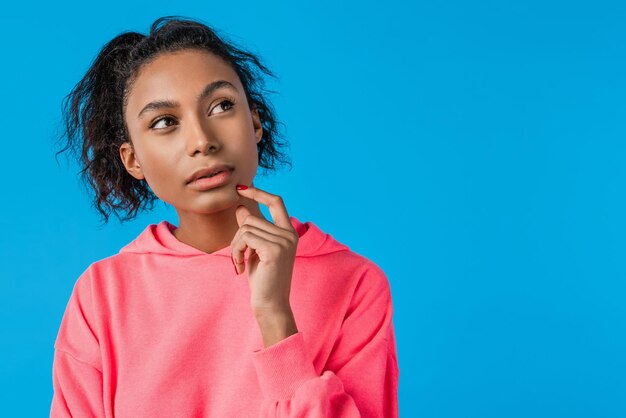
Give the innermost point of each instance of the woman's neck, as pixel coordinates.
(210, 233)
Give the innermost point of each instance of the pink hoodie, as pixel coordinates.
(162, 329)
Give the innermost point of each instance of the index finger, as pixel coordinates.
(274, 202)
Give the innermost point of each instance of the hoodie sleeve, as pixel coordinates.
(77, 364)
(360, 378)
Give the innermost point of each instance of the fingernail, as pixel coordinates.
(234, 265)
(241, 187)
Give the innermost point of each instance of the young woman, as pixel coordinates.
(228, 314)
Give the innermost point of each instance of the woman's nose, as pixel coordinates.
(200, 137)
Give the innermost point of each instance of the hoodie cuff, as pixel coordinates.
(283, 367)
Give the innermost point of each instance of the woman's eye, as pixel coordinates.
(160, 120)
(230, 103)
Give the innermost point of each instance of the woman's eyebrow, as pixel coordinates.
(208, 90)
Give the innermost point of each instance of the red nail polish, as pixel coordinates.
(241, 187)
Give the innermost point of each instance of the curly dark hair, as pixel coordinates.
(93, 116)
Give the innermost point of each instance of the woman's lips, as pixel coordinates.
(207, 183)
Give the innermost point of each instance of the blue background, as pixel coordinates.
(473, 150)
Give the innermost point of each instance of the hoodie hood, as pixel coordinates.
(159, 239)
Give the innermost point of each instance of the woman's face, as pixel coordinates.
(173, 140)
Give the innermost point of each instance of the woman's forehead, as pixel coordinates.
(174, 75)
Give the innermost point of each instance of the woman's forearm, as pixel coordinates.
(276, 325)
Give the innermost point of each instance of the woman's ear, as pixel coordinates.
(256, 122)
(130, 161)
